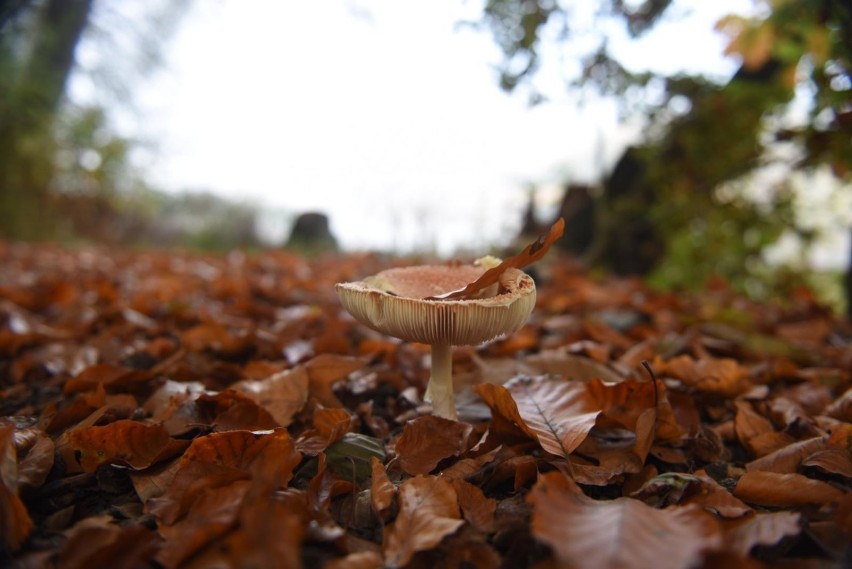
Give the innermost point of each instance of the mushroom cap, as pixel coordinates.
(391, 302)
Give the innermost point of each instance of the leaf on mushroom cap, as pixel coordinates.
(531, 253)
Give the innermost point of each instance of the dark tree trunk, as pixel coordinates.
(27, 111)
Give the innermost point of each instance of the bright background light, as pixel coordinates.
(385, 115)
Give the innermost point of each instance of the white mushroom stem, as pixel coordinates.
(439, 390)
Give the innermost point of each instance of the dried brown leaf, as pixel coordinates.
(784, 490)
(131, 443)
(100, 542)
(759, 529)
(787, 459)
(428, 512)
(382, 490)
(113, 378)
(618, 533)
(329, 427)
(428, 440)
(477, 509)
(531, 253)
(722, 376)
(283, 394)
(325, 370)
(560, 413)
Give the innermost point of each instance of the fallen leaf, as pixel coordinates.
(784, 490)
(573, 367)
(675, 488)
(722, 376)
(787, 459)
(531, 253)
(131, 443)
(330, 425)
(382, 490)
(759, 529)
(428, 440)
(428, 512)
(560, 413)
(357, 560)
(477, 509)
(621, 533)
(100, 542)
(112, 378)
(283, 394)
(325, 370)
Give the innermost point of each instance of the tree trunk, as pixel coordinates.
(27, 115)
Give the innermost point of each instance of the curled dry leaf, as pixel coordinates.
(428, 440)
(623, 532)
(756, 432)
(675, 488)
(428, 512)
(124, 442)
(330, 425)
(382, 490)
(531, 253)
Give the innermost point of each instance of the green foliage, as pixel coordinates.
(705, 139)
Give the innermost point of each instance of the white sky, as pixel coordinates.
(392, 123)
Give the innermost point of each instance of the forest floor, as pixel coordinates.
(166, 409)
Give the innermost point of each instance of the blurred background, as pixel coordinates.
(682, 140)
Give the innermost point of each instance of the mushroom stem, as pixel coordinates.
(439, 390)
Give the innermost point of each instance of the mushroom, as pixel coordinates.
(409, 303)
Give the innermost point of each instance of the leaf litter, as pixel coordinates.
(186, 410)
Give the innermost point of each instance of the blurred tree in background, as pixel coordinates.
(65, 171)
(694, 199)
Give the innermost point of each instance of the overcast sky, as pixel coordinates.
(384, 115)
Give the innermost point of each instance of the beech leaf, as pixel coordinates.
(124, 442)
(759, 529)
(558, 414)
(622, 533)
(531, 253)
(784, 490)
(427, 440)
(428, 512)
(283, 394)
